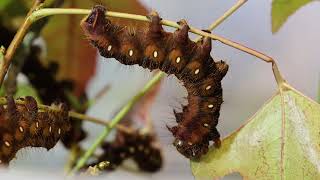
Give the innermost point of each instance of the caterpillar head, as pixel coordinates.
(93, 25)
(190, 150)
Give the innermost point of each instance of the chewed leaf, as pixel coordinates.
(282, 9)
(281, 141)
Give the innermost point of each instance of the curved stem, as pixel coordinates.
(36, 15)
(56, 11)
(4, 65)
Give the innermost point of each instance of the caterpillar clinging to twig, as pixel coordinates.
(172, 53)
(24, 125)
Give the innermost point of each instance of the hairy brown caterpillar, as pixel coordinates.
(24, 125)
(172, 53)
(139, 146)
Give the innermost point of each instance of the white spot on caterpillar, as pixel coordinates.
(21, 129)
(178, 60)
(59, 131)
(178, 143)
(50, 129)
(197, 71)
(7, 143)
(109, 48)
(130, 52)
(155, 54)
(210, 106)
(189, 143)
(205, 125)
(37, 124)
(208, 87)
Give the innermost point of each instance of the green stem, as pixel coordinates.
(56, 11)
(82, 161)
(4, 65)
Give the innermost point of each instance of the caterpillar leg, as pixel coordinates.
(178, 116)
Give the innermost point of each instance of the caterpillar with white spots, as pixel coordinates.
(142, 148)
(24, 125)
(172, 53)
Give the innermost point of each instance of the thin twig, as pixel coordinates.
(82, 161)
(99, 121)
(74, 115)
(4, 65)
(59, 11)
(228, 13)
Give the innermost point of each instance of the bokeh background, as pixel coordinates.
(248, 84)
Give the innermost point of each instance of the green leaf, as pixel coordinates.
(12, 8)
(27, 90)
(3, 4)
(2, 50)
(282, 9)
(281, 141)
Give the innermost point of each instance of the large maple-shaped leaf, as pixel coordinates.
(281, 141)
(67, 44)
(282, 9)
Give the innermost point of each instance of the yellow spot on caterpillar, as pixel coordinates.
(130, 52)
(109, 48)
(205, 125)
(208, 87)
(197, 71)
(59, 131)
(7, 143)
(210, 106)
(155, 54)
(21, 129)
(178, 60)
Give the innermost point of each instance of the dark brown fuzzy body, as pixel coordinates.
(25, 126)
(172, 53)
(140, 147)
